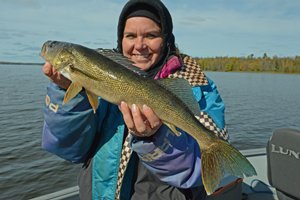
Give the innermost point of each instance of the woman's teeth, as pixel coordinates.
(142, 56)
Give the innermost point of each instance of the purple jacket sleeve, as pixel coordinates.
(174, 160)
(69, 129)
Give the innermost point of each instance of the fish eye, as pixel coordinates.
(52, 44)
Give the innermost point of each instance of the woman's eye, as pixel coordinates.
(151, 36)
(130, 36)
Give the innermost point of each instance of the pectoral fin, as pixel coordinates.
(72, 91)
(93, 99)
(172, 127)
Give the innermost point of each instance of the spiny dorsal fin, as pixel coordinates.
(183, 90)
(122, 60)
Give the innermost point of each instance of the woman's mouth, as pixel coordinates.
(142, 56)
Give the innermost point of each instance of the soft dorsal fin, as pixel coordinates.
(120, 59)
(183, 90)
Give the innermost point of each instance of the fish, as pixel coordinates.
(114, 78)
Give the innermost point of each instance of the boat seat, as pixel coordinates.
(283, 163)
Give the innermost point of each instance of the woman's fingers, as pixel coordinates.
(47, 69)
(152, 118)
(138, 119)
(127, 116)
(55, 76)
(137, 123)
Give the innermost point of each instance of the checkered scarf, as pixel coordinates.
(192, 72)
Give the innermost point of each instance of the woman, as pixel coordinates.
(150, 162)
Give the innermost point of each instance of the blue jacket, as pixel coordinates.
(69, 131)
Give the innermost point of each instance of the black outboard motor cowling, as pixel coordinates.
(283, 155)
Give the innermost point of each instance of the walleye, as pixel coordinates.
(113, 78)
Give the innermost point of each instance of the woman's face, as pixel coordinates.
(142, 41)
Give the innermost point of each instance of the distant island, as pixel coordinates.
(19, 63)
(250, 64)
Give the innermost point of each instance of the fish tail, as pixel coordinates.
(219, 159)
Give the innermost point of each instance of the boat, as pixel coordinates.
(277, 167)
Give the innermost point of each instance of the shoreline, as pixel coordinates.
(19, 63)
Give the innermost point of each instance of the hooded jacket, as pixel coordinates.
(161, 167)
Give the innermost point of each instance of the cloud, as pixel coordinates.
(22, 48)
(196, 19)
(188, 23)
(9, 54)
(54, 32)
(212, 18)
(5, 33)
(32, 48)
(252, 47)
(242, 18)
(17, 34)
(6, 30)
(101, 42)
(5, 36)
(27, 3)
(237, 36)
(265, 43)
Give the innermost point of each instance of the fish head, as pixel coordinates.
(59, 54)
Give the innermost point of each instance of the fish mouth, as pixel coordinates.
(43, 50)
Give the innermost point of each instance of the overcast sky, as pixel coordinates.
(201, 28)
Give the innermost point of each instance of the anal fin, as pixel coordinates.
(93, 99)
(172, 127)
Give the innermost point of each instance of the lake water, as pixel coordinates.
(256, 104)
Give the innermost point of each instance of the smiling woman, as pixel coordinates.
(127, 151)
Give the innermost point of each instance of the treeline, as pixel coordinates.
(260, 64)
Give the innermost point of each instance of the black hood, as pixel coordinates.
(166, 25)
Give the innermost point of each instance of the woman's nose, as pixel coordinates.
(140, 44)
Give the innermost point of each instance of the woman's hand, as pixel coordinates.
(138, 124)
(55, 76)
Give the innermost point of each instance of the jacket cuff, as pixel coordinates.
(145, 145)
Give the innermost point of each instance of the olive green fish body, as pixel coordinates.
(172, 100)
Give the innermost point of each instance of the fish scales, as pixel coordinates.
(102, 76)
(120, 84)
